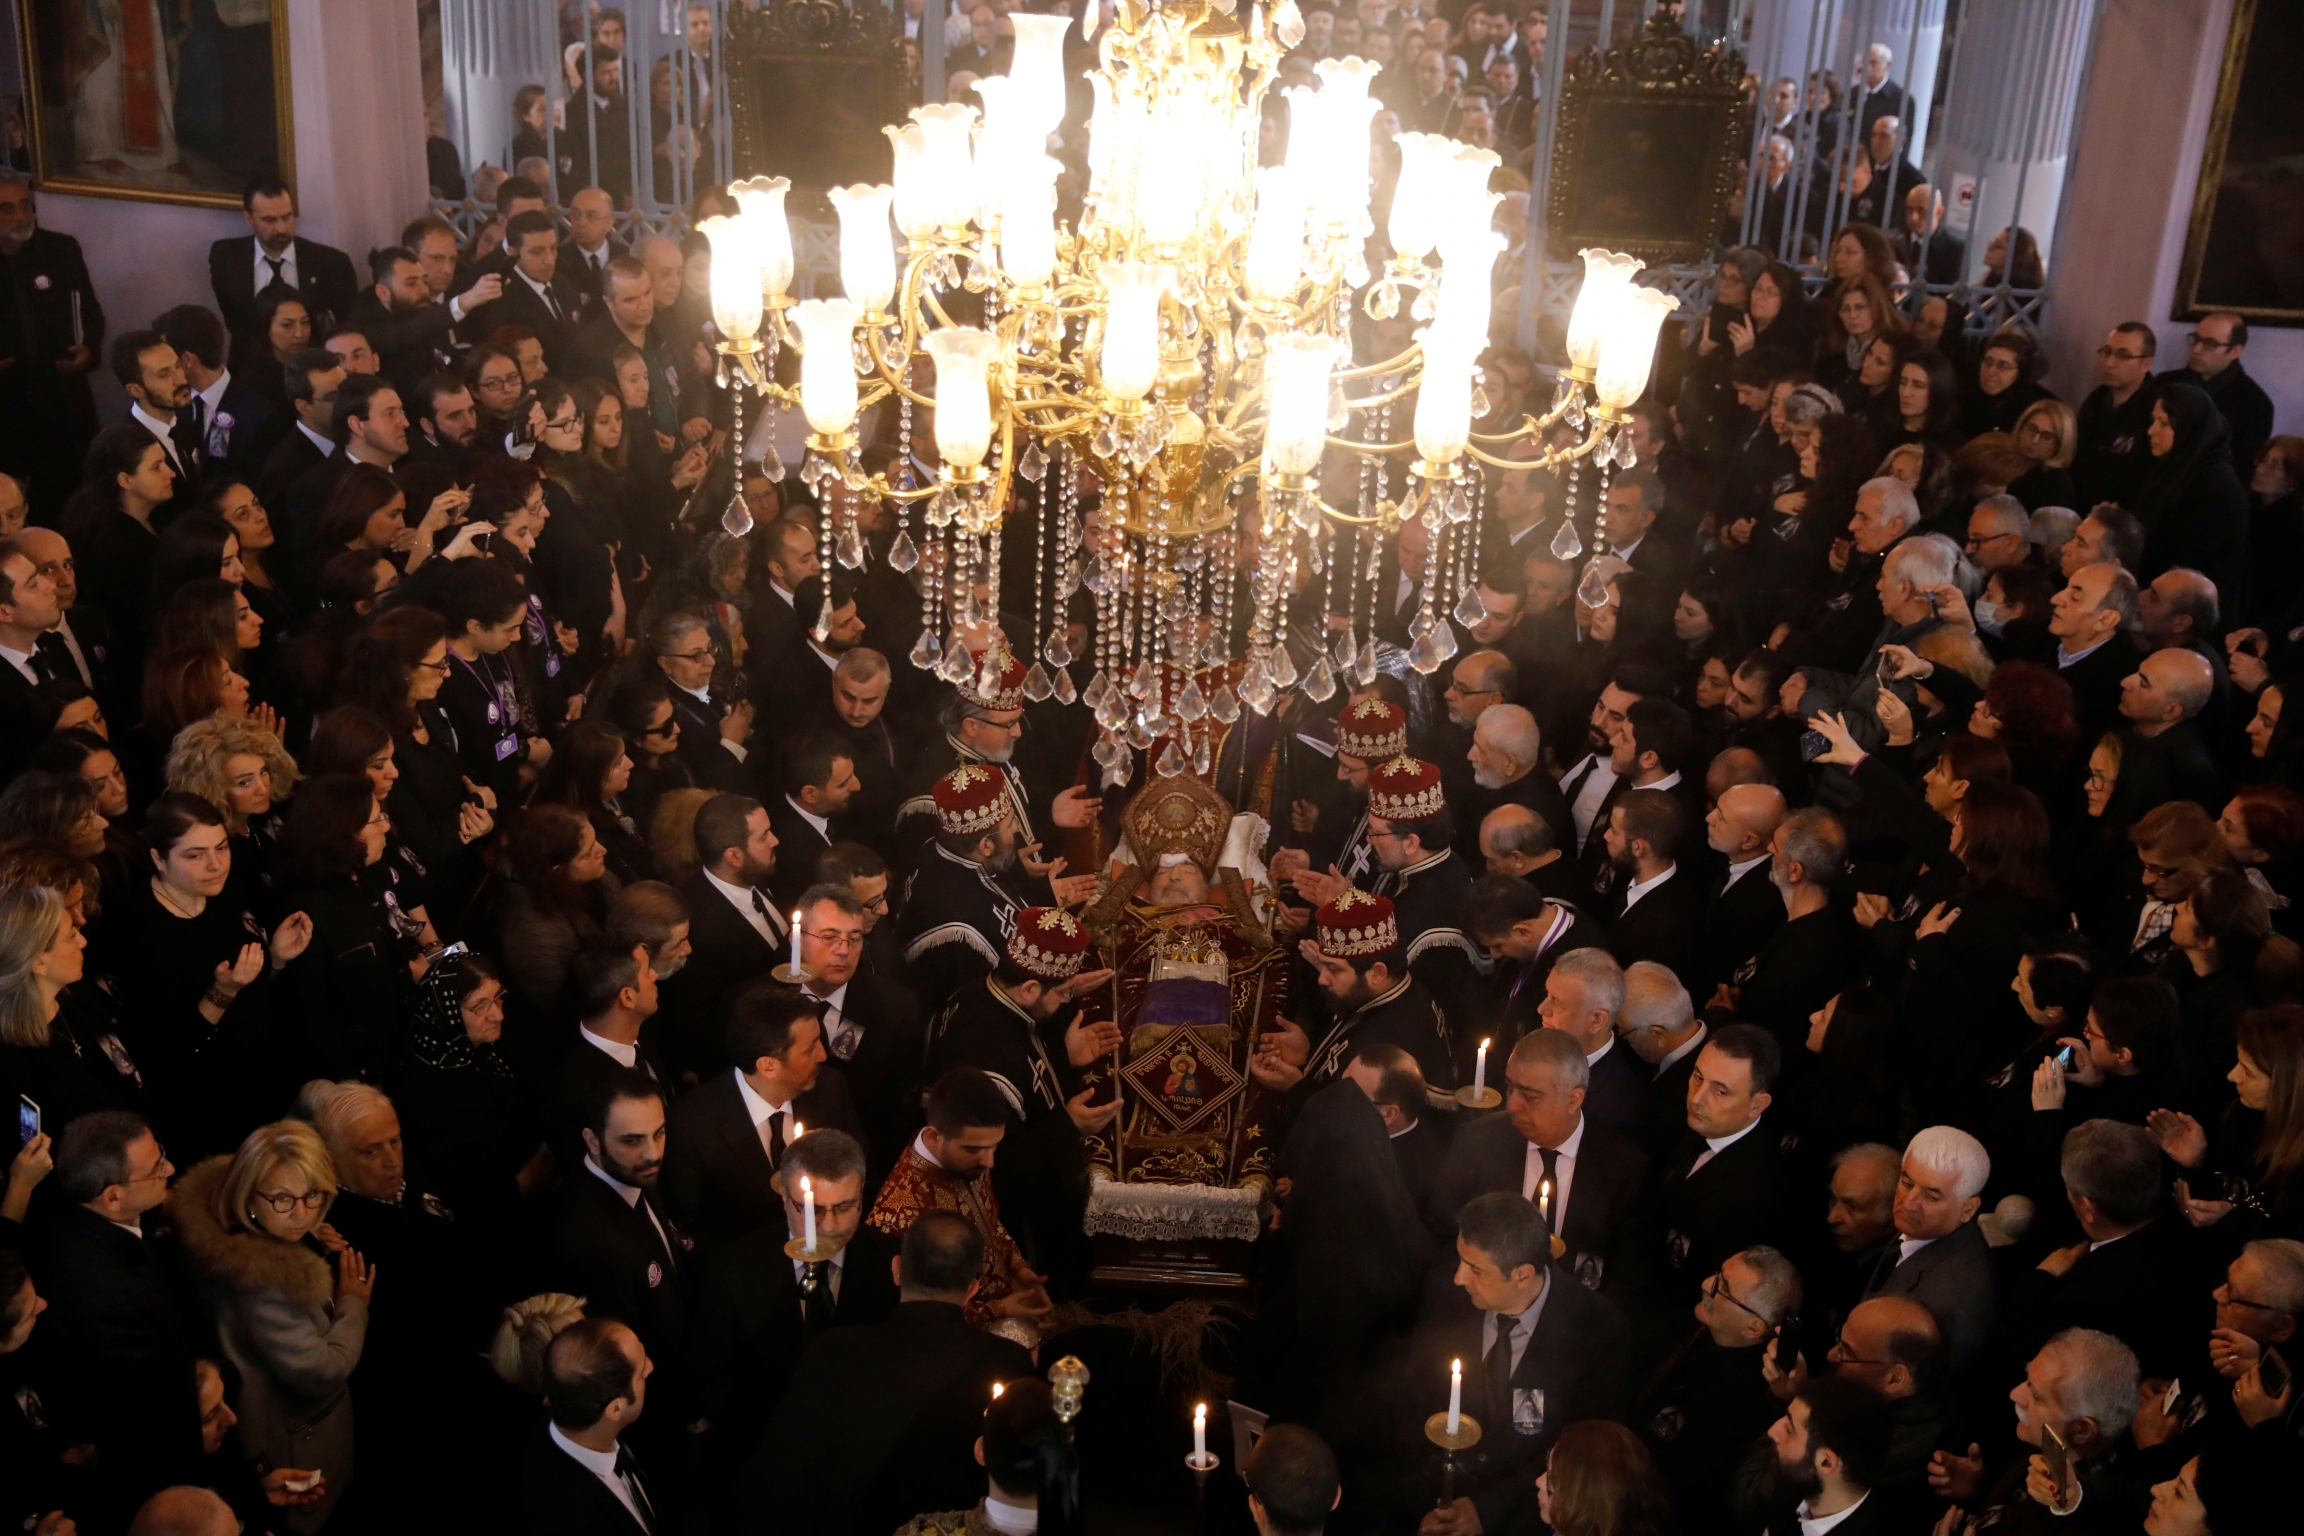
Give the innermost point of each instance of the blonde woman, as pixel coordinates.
(243, 770)
(254, 1230)
(55, 1051)
(2049, 435)
(516, 1354)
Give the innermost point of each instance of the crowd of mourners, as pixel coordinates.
(1871, 883)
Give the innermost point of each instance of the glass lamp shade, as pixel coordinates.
(1331, 125)
(736, 298)
(760, 203)
(1028, 224)
(1038, 69)
(1606, 277)
(1129, 361)
(827, 366)
(947, 163)
(867, 255)
(1444, 397)
(963, 393)
(1466, 295)
(1275, 260)
(1628, 351)
(1416, 198)
(1296, 414)
(910, 147)
(1169, 188)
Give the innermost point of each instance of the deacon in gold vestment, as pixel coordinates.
(1186, 930)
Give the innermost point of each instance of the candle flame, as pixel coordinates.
(807, 1191)
(798, 1131)
(1483, 1045)
(1455, 1367)
(998, 1387)
(1199, 1414)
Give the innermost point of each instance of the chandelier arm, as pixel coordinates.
(1551, 456)
(1373, 450)
(1388, 366)
(888, 374)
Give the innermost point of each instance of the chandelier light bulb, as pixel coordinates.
(867, 254)
(760, 203)
(963, 393)
(736, 297)
(1038, 69)
(1628, 351)
(1416, 197)
(1606, 277)
(1444, 397)
(1296, 416)
(1275, 261)
(1028, 224)
(909, 147)
(827, 368)
(1130, 359)
(947, 163)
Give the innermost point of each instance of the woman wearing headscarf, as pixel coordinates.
(2192, 503)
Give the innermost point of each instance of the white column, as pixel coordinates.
(2009, 116)
(358, 86)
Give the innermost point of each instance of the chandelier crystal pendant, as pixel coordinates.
(1183, 351)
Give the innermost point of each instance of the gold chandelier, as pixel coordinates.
(1188, 346)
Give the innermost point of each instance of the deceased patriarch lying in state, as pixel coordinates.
(1186, 930)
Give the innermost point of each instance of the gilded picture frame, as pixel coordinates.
(2244, 251)
(811, 83)
(1644, 157)
(165, 101)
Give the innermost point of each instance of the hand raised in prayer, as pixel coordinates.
(1083, 1043)
(1090, 1117)
(1076, 807)
(1321, 889)
(2179, 1136)
(1957, 1477)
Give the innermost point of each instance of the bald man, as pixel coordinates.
(1514, 840)
(185, 1511)
(1745, 909)
(2160, 702)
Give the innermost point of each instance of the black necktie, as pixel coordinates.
(767, 913)
(196, 434)
(1498, 1368)
(552, 303)
(279, 279)
(628, 1468)
(816, 1295)
(776, 1136)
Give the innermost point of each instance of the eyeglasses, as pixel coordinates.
(1718, 1286)
(838, 943)
(877, 904)
(2160, 871)
(1843, 1353)
(569, 425)
(702, 655)
(2126, 357)
(440, 666)
(161, 1167)
(2254, 1306)
(283, 1202)
(2210, 342)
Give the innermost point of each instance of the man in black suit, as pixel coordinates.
(113, 1305)
(160, 401)
(1525, 934)
(1582, 997)
(2213, 366)
(413, 335)
(757, 1309)
(601, 116)
(2161, 702)
(819, 781)
(52, 332)
(1507, 757)
(1583, 1179)
(369, 426)
(714, 729)
(879, 1423)
(1515, 841)
(736, 931)
(1659, 1023)
(2134, 1275)
(2091, 617)
(729, 1135)
(80, 644)
(271, 255)
(313, 377)
(1940, 1258)
(1655, 912)
(1635, 498)
(796, 683)
(446, 423)
(1538, 1355)
(530, 299)
(615, 995)
(1708, 1401)
(1817, 950)
(1745, 909)
(591, 247)
(28, 610)
(872, 1024)
(577, 1477)
(1832, 1445)
(857, 717)
(1722, 1190)
(615, 1246)
(234, 423)
(1647, 749)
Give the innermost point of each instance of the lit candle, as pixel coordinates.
(1200, 1432)
(795, 940)
(1480, 1071)
(998, 1387)
(1544, 1202)
(807, 1215)
(1455, 1396)
(798, 1130)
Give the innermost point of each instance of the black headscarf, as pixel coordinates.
(2203, 442)
(437, 1038)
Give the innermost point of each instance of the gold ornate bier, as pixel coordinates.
(1183, 346)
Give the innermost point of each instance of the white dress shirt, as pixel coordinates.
(758, 1109)
(315, 439)
(21, 661)
(213, 396)
(823, 826)
(1737, 872)
(544, 292)
(1640, 888)
(1586, 806)
(1009, 1519)
(602, 1465)
(1817, 1525)
(1563, 1173)
(1691, 1043)
(1910, 1246)
(262, 267)
(741, 897)
(629, 1055)
(631, 1198)
(159, 429)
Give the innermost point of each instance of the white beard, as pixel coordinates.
(1487, 778)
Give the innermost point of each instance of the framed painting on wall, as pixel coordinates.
(174, 101)
(2245, 249)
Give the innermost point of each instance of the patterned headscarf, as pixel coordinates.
(437, 1039)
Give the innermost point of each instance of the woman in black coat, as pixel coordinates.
(351, 989)
(2193, 506)
(2004, 382)
(592, 772)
